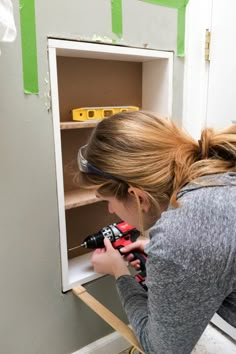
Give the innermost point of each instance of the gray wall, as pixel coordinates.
(36, 318)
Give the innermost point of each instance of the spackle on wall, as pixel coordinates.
(102, 39)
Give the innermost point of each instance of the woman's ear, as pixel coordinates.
(140, 196)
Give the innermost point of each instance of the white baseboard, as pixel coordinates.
(113, 343)
(224, 326)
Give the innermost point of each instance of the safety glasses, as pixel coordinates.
(87, 167)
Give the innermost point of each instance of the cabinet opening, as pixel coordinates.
(94, 76)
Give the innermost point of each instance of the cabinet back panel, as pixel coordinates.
(95, 83)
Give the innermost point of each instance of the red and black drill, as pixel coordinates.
(120, 234)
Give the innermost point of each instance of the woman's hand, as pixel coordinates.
(109, 261)
(137, 246)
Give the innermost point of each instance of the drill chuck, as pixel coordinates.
(96, 240)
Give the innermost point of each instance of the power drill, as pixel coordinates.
(120, 234)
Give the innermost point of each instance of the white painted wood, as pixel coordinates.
(209, 98)
(221, 103)
(198, 19)
(109, 52)
(226, 327)
(157, 97)
(80, 271)
(169, 92)
(157, 86)
(59, 169)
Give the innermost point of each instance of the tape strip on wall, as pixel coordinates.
(117, 18)
(29, 49)
(180, 5)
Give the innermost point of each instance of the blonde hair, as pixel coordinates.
(142, 150)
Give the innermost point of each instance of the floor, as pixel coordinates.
(212, 342)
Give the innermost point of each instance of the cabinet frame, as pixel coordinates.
(74, 271)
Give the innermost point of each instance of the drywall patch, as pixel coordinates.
(180, 5)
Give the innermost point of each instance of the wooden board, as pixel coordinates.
(107, 316)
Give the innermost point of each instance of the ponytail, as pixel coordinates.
(142, 150)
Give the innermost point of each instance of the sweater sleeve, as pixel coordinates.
(171, 317)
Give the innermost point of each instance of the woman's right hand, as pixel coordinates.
(137, 246)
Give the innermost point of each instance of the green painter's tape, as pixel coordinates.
(116, 15)
(29, 50)
(180, 5)
(181, 31)
(169, 3)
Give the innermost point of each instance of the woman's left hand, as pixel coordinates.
(109, 261)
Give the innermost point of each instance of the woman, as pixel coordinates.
(155, 176)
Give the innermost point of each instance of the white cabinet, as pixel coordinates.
(95, 75)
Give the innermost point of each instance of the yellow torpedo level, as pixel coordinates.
(86, 113)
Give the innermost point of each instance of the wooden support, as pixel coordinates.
(107, 316)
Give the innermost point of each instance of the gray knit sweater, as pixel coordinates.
(191, 269)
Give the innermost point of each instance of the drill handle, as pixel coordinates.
(142, 257)
(137, 255)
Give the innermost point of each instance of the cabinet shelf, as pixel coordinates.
(79, 197)
(80, 270)
(79, 125)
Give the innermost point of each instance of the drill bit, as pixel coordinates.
(76, 247)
